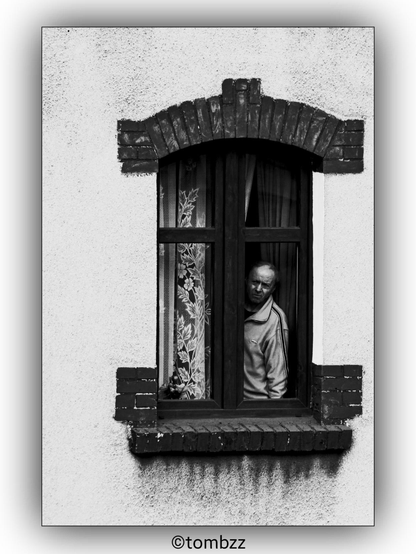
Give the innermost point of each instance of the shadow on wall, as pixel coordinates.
(256, 467)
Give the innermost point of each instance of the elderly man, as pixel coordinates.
(266, 336)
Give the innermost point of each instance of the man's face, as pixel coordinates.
(260, 284)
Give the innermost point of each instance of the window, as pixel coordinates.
(222, 207)
(234, 182)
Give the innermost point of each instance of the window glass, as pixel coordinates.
(185, 193)
(284, 257)
(271, 194)
(185, 303)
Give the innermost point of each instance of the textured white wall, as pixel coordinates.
(99, 261)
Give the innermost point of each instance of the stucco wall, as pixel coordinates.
(99, 280)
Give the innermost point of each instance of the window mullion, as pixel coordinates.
(217, 315)
(231, 300)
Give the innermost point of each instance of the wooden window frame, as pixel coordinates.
(228, 309)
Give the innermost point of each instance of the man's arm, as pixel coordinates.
(276, 362)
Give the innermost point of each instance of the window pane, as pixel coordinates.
(271, 194)
(284, 257)
(185, 300)
(185, 193)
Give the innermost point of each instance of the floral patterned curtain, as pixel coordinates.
(185, 283)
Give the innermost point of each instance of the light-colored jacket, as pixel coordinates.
(266, 340)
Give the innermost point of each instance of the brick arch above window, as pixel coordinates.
(242, 111)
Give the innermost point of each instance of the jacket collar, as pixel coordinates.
(264, 313)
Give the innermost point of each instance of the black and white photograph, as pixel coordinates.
(208, 276)
(208, 282)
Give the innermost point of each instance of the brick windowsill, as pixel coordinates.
(336, 398)
(296, 434)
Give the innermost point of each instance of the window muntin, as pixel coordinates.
(238, 235)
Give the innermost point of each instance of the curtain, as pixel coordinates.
(185, 283)
(277, 207)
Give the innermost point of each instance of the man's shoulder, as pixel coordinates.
(278, 315)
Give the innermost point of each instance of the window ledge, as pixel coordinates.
(294, 434)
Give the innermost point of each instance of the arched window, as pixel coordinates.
(234, 176)
(222, 207)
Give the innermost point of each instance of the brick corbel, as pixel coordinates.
(336, 393)
(136, 399)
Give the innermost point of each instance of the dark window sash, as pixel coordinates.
(229, 236)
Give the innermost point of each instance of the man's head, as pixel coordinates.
(260, 284)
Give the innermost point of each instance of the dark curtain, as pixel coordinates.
(273, 195)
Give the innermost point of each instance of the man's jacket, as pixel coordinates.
(266, 339)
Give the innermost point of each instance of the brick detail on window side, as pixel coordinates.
(136, 399)
(242, 111)
(346, 154)
(336, 393)
(335, 388)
